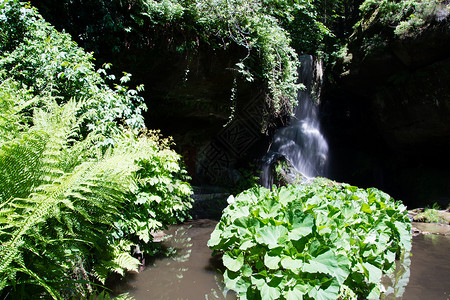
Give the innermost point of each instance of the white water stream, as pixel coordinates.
(301, 143)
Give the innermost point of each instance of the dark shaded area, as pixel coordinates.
(218, 120)
(387, 119)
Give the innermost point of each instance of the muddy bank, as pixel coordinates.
(421, 221)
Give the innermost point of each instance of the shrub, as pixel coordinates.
(69, 211)
(77, 189)
(45, 61)
(318, 241)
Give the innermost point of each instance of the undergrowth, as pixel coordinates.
(317, 241)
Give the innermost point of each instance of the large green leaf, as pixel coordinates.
(233, 263)
(269, 292)
(329, 263)
(215, 238)
(291, 264)
(309, 243)
(272, 262)
(234, 281)
(238, 212)
(330, 292)
(296, 292)
(272, 236)
(372, 272)
(302, 225)
(286, 196)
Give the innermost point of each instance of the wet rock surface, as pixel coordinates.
(421, 225)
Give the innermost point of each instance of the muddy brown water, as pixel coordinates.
(190, 272)
(430, 268)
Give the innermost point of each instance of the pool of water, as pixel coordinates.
(190, 272)
(430, 268)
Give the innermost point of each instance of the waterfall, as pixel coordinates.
(301, 143)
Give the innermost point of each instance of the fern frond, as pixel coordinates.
(13, 103)
(124, 296)
(125, 261)
(60, 193)
(120, 262)
(41, 282)
(101, 272)
(20, 161)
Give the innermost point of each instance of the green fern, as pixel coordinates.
(38, 187)
(13, 103)
(117, 259)
(70, 209)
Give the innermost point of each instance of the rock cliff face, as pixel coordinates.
(388, 118)
(217, 119)
(192, 89)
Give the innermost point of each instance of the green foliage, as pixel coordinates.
(265, 35)
(14, 102)
(409, 18)
(55, 201)
(63, 201)
(46, 61)
(432, 215)
(161, 196)
(254, 26)
(318, 241)
(260, 32)
(71, 205)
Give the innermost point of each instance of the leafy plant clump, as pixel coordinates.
(71, 212)
(45, 61)
(432, 215)
(82, 182)
(409, 18)
(319, 241)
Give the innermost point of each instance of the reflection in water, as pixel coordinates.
(425, 274)
(430, 268)
(396, 282)
(190, 272)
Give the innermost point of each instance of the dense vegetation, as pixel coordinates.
(82, 182)
(269, 35)
(380, 22)
(318, 241)
(258, 29)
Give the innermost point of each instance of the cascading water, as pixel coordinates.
(301, 143)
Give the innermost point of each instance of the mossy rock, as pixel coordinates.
(285, 173)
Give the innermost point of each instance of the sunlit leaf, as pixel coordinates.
(233, 264)
(271, 236)
(271, 261)
(269, 292)
(296, 292)
(373, 273)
